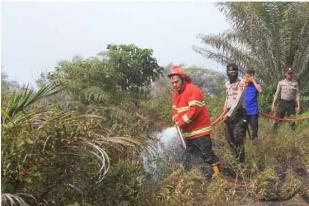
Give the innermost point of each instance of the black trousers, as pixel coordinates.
(253, 121)
(285, 108)
(235, 133)
(202, 147)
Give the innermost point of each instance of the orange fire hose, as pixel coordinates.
(267, 116)
(277, 119)
(218, 119)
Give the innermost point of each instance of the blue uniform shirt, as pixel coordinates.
(251, 103)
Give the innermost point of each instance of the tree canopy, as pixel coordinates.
(265, 36)
(122, 68)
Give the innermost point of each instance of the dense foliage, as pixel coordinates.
(64, 142)
(78, 139)
(55, 153)
(265, 36)
(120, 70)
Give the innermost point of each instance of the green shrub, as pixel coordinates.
(268, 186)
(183, 188)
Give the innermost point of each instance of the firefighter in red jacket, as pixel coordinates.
(191, 115)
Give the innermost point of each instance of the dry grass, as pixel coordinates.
(270, 173)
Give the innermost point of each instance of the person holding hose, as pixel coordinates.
(190, 114)
(234, 113)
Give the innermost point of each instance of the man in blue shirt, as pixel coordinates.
(253, 89)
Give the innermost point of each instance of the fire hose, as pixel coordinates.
(267, 116)
(263, 114)
(277, 119)
(183, 143)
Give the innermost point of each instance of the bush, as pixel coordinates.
(270, 185)
(183, 188)
(191, 188)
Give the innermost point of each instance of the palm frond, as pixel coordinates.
(99, 147)
(10, 199)
(226, 48)
(19, 101)
(101, 156)
(266, 36)
(125, 141)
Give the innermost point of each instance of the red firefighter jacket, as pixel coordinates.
(191, 112)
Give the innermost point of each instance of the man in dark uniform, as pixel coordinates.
(235, 113)
(288, 98)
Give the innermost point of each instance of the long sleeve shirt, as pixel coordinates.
(235, 96)
(191, 112)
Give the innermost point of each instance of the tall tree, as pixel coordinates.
(135, 66)
(85, 80)
(121, 68)
(264, 36)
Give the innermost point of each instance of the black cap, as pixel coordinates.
(232, 67)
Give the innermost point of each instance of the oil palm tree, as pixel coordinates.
(265, 36)
(36, 135)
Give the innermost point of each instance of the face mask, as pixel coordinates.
(232, 77)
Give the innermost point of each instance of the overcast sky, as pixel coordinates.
(37, 35)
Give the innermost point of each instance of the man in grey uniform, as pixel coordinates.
(288, 98)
